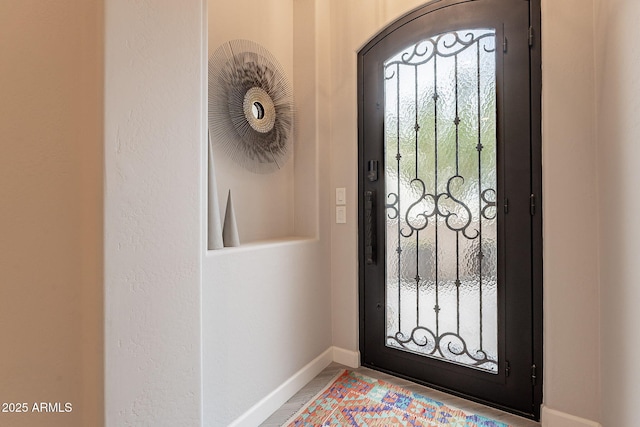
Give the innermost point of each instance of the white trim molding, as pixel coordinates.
(346, 357)
(555, 418)
(278, 397)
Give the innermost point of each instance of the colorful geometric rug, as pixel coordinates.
(357, 400)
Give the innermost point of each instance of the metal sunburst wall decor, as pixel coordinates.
(250, 106)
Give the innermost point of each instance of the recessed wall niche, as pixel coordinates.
(268, 206)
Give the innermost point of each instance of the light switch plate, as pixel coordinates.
(341, 214)
(341, 196)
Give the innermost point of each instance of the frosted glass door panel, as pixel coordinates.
(441, 219)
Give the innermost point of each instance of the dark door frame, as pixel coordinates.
(536, 190)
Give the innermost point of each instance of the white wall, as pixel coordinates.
(266, 307)
(264, 203)
(570, 233)
(51, 210)
(353, 23)
(570, 217)
(618, 65)
(154, 145)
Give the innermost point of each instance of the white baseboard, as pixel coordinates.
(554, 418)
(278, 397)
(346, 357)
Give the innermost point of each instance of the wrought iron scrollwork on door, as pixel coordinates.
(441, 222)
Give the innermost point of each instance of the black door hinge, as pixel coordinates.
(532, 204)
(507, 369)
(530, 36)
(533, 374)
(506, 206)
(505, 43)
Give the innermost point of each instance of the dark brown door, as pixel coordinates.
(448, 227)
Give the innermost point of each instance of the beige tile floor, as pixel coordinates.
(311, 389)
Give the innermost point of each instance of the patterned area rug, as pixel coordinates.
(357, 400)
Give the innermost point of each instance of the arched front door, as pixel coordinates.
(450, 228)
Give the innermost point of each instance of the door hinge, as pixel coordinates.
(505, 43)
(532, 204)
(533, 374)
(507, 369)
(530, 36)
(506, 206)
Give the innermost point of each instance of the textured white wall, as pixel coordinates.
(154, 139)
(51, 210)
(618, 65)
(571, 287)
(265, 316)
(570, 234)
(267, 307)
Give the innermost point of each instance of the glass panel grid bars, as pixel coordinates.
(441, 217)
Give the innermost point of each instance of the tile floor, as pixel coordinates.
(310, 390)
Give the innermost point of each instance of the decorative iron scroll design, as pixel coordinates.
(445, 45)
(417, 219)
(449, 345)
(440, 172)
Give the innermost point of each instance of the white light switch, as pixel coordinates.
(341, 196)
(341, 214)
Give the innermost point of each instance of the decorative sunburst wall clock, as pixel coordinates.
(250, 106)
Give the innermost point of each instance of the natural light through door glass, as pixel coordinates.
(441, 217)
